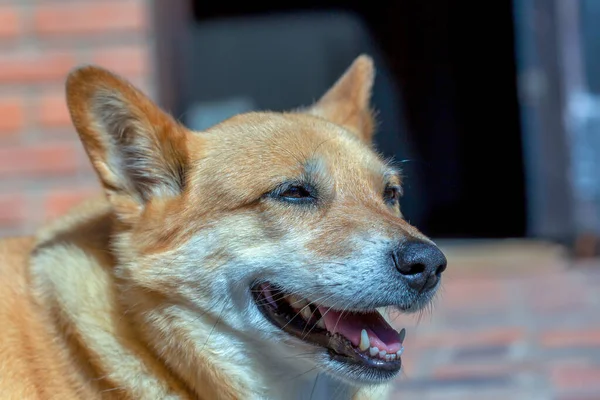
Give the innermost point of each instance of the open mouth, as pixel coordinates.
(363, 339)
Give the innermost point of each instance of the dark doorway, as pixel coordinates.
(454, 67)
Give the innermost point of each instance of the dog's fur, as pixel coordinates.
(145, 293)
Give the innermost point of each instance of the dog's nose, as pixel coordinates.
(421, 264)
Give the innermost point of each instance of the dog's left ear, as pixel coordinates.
(348, 102)
(138, 151)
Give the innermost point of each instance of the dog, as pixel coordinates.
(254, 260)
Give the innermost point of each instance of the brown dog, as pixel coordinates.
(244, 262)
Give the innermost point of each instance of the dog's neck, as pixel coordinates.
(73, 280)
(71, 273)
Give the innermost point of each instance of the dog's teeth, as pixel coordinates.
(388, 357)
(364, 341)
(399, 352)
(306, 314)
(302, 303)
(382, 354)
(402, 334)
(321, 324)
(373, 351)
(297, 303)
(294, 301)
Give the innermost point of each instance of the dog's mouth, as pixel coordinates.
(363, 339)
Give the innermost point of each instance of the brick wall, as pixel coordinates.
(43, 169)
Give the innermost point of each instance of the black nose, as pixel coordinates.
(421, 264)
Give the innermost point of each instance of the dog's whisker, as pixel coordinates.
(213, 327)
(310, 353)
(322, 316)
(281, 296)
(299, 312)
(338, 320)
(311, 315)
(303, 373)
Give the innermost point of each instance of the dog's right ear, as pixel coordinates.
(348, 101)
(138, 151)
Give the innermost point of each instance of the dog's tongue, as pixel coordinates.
(381, 334)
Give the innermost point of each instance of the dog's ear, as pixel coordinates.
(138, 151)
(348, 101)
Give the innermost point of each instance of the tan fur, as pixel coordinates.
(103, 302)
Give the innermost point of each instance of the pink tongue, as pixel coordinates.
(381, 334)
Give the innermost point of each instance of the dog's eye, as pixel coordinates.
(296, 192)
(392, 194)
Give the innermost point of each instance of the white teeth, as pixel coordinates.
(364, 341)
(399, 352)
(321, 324)
(296, 302)
(306, 313)
(382, 354)
(293, 302)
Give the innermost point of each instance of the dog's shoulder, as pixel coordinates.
(33, 363)
(15, 312)
(13, 260)
(13, 255)
(86, 225)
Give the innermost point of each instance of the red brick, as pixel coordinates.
(11, 115)
(52, 110)
(124, 60)
(9, 23)
(22, 68)
(576, 377)
(12, 210)
(457, 371)
(475, 293)
(46, 160)
(578, 397)
(59, 202)
(549, 293)
(89, 17)
(571, 338)
(472, 338)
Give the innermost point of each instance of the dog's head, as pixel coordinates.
(282, 228)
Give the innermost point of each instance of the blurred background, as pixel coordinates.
(492, 109)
